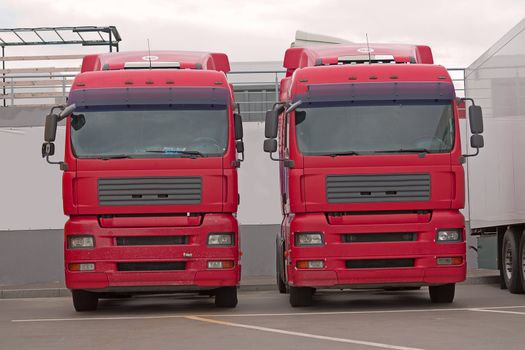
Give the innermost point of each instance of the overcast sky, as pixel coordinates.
(458, 31)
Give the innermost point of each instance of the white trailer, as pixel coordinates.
(496, 177)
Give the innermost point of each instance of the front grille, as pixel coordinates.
(152, 266)
(377, 188)
(378, 237)
(379, 263)
(150, 190)
(151, 240)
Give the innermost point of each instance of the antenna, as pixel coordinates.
(367, 48)
(149, 55)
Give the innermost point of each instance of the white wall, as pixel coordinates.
(30, 189)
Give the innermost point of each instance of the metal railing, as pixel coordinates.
(255, 91)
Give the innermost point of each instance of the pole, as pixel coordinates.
(110, 41)
(3, 74)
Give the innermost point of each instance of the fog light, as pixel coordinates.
(449, 235)
(80, 242)
(220, 264)
(310, 264)
(220, 239)
(82, 267)
(308, 238)
(453, 260)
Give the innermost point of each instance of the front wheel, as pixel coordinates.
(511, 262)
(301, 296)
(226, 297)
(84, 300)
(442, 294)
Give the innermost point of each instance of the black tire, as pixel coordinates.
(84, 301)
(301, 296)
(522, 259)
(511, 262)
(442, 294)
(226, 297)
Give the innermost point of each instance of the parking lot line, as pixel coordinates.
(300, 334)
(315, 313)
(499, 311)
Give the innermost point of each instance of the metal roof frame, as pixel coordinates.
(111, 39)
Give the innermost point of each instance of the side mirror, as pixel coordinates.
(237, 121)
(270, 145)
(271, 123)
(50, 130)
(239, 147)
(475, 119)
(48, 149)
(477, 141)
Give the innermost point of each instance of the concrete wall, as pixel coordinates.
(35, 256)
(31, 216)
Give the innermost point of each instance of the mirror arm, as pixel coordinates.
(471, 155)
(468, 99)
(288, 163)
(63, 165)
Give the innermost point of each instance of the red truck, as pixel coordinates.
(371, 173)
(153, 142)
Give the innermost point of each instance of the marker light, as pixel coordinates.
(82, 267)
(454, 260)
(310, 264)
(80, 242)
(220, 264)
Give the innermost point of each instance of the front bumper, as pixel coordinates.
(422, 253)
(193, 256)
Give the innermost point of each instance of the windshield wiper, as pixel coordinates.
(114, 156)
(345, 153)
(162, 150)
(408, 150)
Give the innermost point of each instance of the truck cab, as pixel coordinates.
(372, 181)
(153, 143)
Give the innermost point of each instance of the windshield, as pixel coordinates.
(150, 132)
(339, 129)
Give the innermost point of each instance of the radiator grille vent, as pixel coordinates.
(151, 266)
(378, 237)
(151, 240)
(379, 263)
(150, 190)
(377, 188)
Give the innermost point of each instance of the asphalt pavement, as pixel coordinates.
(481, 317)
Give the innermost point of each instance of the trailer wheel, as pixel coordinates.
(522, 259)
(226, 297)
(442, 294)
(301, 296)
(84, 300)
(511, 262)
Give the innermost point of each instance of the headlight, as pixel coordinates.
(80, 242)
(220, 239)
(308, 238)
(449, 235)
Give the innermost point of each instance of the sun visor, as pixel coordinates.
(150, 96)
(378, 92)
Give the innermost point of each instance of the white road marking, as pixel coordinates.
(498, 311)
(300, 334)
(319, 313)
